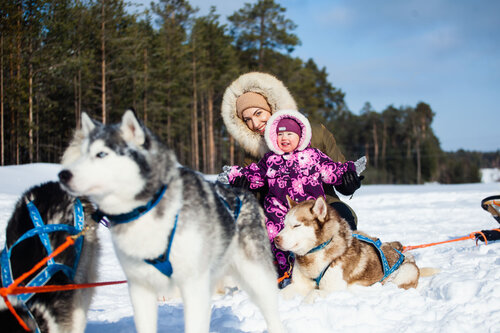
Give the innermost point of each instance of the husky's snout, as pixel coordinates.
(65, 176)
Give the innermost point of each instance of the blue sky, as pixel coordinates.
(400, 52)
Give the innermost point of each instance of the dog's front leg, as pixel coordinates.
(313, 295)
(300, 285)
(196, 297)
(333, 280)
(79, 316)
(145, 307)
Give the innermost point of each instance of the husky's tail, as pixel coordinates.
(396, 245)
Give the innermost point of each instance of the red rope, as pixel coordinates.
(4, 292)
(13, 311)
(472, 235)
(65, 287)
(13, 289)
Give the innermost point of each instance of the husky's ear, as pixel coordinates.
(291, 203)
(131, 129)
(87, 124)
(320, 208)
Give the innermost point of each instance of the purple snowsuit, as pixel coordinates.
(299, 174)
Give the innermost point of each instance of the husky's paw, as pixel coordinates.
(288, 292)
(312, 296)
(292, 290)
(226, 286)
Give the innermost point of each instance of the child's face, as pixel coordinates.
(288, 141)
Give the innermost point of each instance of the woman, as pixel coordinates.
(247, 105)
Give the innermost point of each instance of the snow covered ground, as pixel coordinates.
(490, 175)
(463, 297)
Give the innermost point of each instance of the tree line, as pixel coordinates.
(59, 58)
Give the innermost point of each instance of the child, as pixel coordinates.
(291, 168)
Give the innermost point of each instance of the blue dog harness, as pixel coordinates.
(236, 212)
(133, 215)
(161, 263)
(315, 249)
(41, 230)
(388, 270)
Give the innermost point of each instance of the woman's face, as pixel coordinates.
(256, 119)
(288, 141)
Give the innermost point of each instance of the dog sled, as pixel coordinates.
(491, 205)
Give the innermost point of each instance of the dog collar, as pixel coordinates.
(106, 219)
(319, 247)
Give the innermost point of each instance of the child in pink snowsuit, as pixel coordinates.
(291, 168)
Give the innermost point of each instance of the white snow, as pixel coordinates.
(490, 175)
(463, 297)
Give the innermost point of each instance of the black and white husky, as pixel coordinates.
(170, 227)
(50, 209)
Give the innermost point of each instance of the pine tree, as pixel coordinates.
(215, 67)
(114, 46)
(420, 118)
(260, 28)
(173, 71)
(372, 127)
(316, 96)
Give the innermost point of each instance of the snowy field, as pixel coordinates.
(463, 297)
(490, 175)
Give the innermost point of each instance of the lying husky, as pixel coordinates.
(329, 257)
(169, 226)
(61, 311)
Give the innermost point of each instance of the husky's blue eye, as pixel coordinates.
(101, 154)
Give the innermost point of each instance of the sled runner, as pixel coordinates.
(491, 205)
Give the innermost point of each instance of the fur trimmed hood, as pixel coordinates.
(271, 136)
(277, 95)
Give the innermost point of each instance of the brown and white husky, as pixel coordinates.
(330, 257)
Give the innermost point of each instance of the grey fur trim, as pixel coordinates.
(223, 176)
(276, 94)
(360, 165)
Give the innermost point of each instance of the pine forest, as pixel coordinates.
(59, 58)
